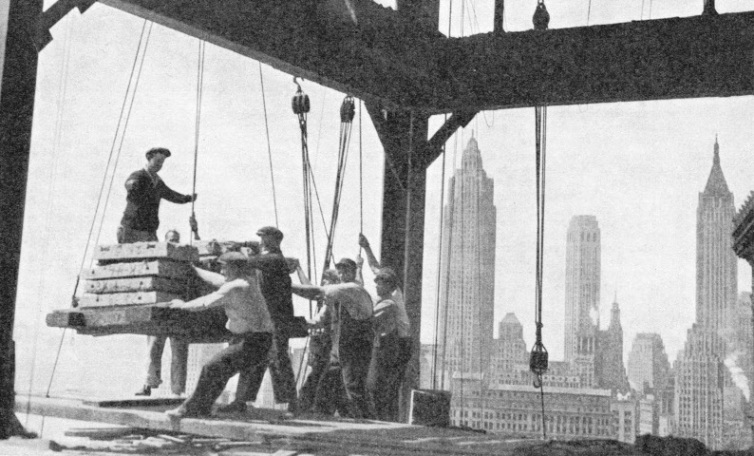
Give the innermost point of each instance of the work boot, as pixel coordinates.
(146, 390)
(184, 412)
(233, 407)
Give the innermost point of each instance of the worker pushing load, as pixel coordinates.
(248, 320)
(275, 283)
(342, 387)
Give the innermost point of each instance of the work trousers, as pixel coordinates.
(390, 358)
(281, 371)
(244, 350)
(319, 360)
(179, 359)
(126, 235)
(342, 388)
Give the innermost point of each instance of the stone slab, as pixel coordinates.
(136, 284)
(157, 267)
(144, 250)
(124, 299)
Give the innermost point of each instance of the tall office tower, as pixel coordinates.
(467, 268)
(509, 351)
(648, 365)
(582, 296)
(610, 370)
(700, 374)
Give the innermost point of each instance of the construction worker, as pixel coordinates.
(342, 387)
(248, 320)
(275, 282)
(178, 352)
(320, 343)
(145, 190)
(393, 342)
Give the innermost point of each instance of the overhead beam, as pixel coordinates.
(695, 57)
(374, 53)
(357, 47)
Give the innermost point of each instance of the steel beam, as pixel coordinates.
(374, 53)
(19, 75)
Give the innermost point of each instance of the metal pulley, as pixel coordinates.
(347, 109)
(538, 359)
(541, 17)
(300, 101)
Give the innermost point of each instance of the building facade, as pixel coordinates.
(609, 369)
(467, 269)
(700, 374)
(582, 295)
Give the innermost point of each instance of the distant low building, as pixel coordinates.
(625, 419)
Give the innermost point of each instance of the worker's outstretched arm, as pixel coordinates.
(374, 264)
(307, 291)
(212, 278)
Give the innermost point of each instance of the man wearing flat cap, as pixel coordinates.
(145, 191)
(275, 283)
(342, 387)
(248, 320)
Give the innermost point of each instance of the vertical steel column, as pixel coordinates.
(404, 138)
(19, 74)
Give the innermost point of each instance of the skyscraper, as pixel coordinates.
(582, 295)
(610, 371)
(467, 268)
(700, 374)
(648, 365)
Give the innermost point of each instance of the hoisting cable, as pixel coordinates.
(269, 147)
(538, 361)
(439, 268)
(197, 128)
(125, 114)
(300, 105)
(347, 112)
(361, 178)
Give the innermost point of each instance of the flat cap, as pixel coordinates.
(232, 257)
(270, 231)
(157, 150)
(387, 275)
(346, 263)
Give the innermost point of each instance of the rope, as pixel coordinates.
(115, 140)
(269, 147)
(361, 181)
(197, 130)
(539, 357)
(52, 179)
(346, 124)
(439, 269)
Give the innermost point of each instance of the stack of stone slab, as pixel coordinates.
(139, 273)
(128, 290)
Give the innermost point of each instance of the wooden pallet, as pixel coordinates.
(136, 284)
(204, 326)
(144, 250)
(158, 267)
(124, 299)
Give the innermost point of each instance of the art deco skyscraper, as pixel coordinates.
(582, 295)
(700, 374)
(467, 268)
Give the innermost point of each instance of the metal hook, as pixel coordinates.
(295, 81)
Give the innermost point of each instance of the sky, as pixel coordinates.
(638, 167)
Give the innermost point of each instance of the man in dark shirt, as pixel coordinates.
(275, 284)
(145, 190)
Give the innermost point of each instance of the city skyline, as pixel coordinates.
(636, 166)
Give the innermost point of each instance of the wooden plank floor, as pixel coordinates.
(312, 436)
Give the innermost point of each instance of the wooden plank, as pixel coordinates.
(124, 299)
(100, 432)
(158, 267)
(132, 402)
(129, 285)
(144, 250)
